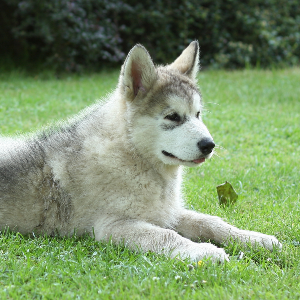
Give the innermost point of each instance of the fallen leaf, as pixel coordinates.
(226, 193)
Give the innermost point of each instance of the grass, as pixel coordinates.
(254, 117)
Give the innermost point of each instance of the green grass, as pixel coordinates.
(254, 118)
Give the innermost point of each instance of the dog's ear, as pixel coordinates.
(188, 62)
(138, 73)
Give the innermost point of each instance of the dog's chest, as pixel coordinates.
(148, 198)
(132, 191)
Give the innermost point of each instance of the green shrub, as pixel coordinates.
(82, 33)
(70, 34)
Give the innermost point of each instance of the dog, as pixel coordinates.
(114, 171)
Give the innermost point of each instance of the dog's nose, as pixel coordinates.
(206, 146)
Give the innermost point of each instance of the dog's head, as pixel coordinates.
(163, 106)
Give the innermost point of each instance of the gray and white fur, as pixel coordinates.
(115, 169)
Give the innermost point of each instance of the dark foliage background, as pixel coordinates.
(72, 35)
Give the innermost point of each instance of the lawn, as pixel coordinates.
(253, 116)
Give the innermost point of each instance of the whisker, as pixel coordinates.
(219, 151)
(216, 154)
(220, 147)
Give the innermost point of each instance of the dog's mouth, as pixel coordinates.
(195, 161)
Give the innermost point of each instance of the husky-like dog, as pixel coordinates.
(114, 171)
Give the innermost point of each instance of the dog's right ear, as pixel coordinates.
(188, 62)
(138, 73)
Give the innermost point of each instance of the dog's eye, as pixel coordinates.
(198, 115)
(173, 117)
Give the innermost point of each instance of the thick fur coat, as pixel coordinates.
(115, 169)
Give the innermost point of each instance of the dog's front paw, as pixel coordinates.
(267, 241)
(212, 252)
(202, 251)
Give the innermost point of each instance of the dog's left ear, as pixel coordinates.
(138, 73)
(188, 62)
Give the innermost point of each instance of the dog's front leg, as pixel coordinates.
(143, 236)
(197, 226)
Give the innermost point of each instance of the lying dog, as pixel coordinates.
(115, 169)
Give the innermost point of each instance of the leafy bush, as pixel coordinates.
(80, 33)
(71, 34)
